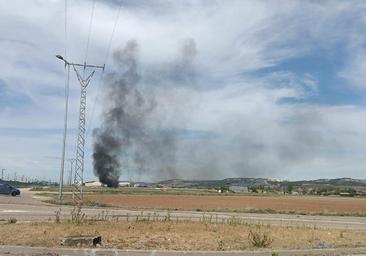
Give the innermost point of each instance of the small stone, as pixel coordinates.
(82, 241)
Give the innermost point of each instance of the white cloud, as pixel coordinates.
(355, 70)
(233, 38)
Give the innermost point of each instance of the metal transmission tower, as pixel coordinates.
(77, 185)
(79, 160)
(70, 179)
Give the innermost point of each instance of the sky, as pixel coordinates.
(271, 89)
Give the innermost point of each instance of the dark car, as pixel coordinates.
(8, 190)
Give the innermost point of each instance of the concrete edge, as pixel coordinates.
(24, 250)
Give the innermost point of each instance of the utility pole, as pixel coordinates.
(67, 80)
(77, 187)
(2, 174)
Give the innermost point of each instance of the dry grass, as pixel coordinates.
(172, 235)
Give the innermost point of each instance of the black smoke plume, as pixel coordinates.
(129, 136)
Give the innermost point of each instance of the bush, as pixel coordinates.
(77, 216)
(12, 220)
(259, 239)
(58, 216)
(220, 245)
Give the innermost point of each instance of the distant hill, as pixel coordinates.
(261, 182)
(346, 182)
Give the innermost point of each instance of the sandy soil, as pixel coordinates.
(280, 203)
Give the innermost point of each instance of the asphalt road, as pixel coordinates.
(27, 208)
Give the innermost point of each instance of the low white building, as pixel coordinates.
(99, 184)
(239, 189)
(124, 184)
(140, 185)
(93, 184)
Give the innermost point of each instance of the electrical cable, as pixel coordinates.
(65, 53)
(89, 32)
(96, 99)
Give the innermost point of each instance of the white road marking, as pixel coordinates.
(13, 211)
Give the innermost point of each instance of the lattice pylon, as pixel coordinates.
(77, 191)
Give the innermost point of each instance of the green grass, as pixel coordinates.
(52, 199)
(151, 191)
(134, 191)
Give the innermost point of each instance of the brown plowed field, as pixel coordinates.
(189, 202)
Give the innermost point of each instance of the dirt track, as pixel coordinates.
(279, 203)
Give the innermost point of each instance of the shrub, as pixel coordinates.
(12, 220)
(220, 245)
(259, 239)
(58, 216)
(77, 216)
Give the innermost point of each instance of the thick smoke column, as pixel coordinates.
(129, 136)
(116, 120)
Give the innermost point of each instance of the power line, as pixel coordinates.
(113, 31)
(65, 29)
(89, 33)
(102, 75)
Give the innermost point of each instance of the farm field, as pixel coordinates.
(304, 204)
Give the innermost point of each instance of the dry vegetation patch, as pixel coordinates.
(182, 235)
